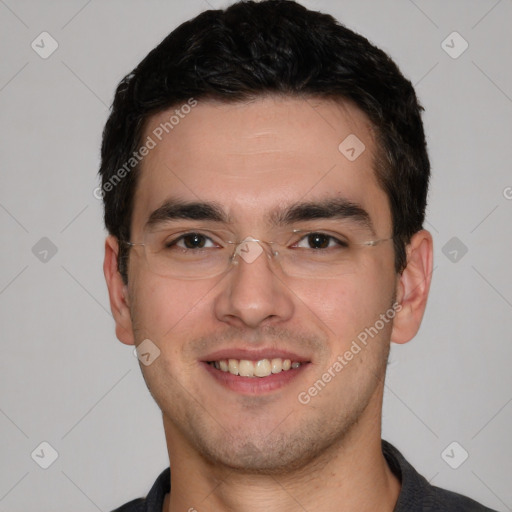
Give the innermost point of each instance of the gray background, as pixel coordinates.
(66, 380)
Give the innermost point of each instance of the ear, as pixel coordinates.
(118, 292)
(413, 287)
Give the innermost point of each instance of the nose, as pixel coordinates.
(254, 292)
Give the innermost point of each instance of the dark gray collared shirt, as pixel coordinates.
(416, 494)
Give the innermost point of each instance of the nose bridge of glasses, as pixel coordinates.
(249, 249)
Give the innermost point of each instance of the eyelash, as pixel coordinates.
(172, 243)
(339, 242)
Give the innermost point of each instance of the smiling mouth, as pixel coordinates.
(260, 368)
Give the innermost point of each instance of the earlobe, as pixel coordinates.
(118, 292)
(413, 287)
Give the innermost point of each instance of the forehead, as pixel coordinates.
(251, 157)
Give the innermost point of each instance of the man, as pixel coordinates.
(265, 177)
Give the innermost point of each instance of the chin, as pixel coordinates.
(270, 453)
(249, 459)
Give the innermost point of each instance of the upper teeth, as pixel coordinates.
(248, 368)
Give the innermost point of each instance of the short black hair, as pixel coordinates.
(272, 47)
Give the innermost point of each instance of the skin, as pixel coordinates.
(267, 451)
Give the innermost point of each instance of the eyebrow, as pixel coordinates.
(337, 208)
(330, 208)
(173, 209)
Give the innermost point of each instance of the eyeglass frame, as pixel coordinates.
(234, 261)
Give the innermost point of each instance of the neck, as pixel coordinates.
(352, 475)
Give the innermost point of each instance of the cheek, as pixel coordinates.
(346, 306)
(163, 308)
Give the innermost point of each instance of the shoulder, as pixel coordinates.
(132, 506)
(154, 500)
(443, 500)
(417, 495)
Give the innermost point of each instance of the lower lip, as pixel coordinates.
(254, 385)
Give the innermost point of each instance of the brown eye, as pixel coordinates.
(318, 240)
(189, 241)
(194, 241)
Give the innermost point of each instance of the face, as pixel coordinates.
(252, 160)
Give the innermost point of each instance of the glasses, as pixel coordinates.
(199, 253)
